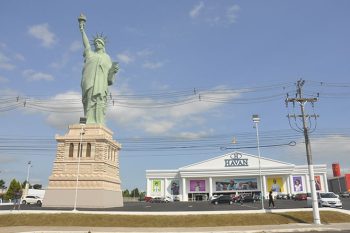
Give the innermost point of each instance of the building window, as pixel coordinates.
(71, 149)
(80, 146)
(88, 150)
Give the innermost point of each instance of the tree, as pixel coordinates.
(135, 193)
(2, 185)
(126, 193)
(24, 185)
(14, 186)
(142, 196)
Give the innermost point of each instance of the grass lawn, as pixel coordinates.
(98, 220)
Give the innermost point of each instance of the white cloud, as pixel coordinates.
(158, 127)
(325, 150)
(196, 10)
(61, 63)
(144, 53)
(9, 92)
(5, 62)
(152, 65)
(195, 135)
(69, 108)
(32, 75)
(215, 15)
(128, 57)
(231, 14)
(42, 32)
(3, 58)
(62, 109)
(19, 57)
(164, 120)
(66, 108)
(159, 86)
(6, 66)
(125, 57)
(75, 46)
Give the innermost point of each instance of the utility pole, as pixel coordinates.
(305, 129)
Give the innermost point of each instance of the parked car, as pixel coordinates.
(327, 199)
(248, 198)
(300, 197)
(282, 196)
(168, 199)
(213, 197)
(345, 194)
(32, 200)
(222, 199)
(157, 200)
(148, 199)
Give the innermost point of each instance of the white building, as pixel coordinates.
(233, 173)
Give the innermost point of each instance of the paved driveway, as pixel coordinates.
(187, 206)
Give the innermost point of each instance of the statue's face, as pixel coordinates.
(98, 44)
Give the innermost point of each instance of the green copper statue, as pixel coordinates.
(98, 73)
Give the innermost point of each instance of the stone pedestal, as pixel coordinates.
(98, 183)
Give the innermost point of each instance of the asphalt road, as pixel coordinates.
(186, 206)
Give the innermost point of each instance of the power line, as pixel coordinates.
(150, 100)
(171, 99)
(185, 144)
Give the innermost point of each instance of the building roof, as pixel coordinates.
(235, 163)
(252, 160)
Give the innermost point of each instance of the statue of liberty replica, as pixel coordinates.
(98, 73)
(86, 169)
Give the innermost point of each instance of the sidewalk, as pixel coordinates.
(234, 229)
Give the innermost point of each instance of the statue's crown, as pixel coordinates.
(100, 37)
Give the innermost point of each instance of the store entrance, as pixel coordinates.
(198, 196)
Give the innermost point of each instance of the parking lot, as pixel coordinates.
(188, 206)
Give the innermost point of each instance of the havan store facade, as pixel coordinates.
(233, 173)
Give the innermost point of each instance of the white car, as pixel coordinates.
(32, 200)
(327, 199)
(168, 199)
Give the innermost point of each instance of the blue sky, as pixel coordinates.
(191, 75)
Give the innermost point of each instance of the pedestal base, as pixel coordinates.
(85, 198)
(87, 158)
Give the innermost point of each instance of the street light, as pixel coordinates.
(256, 120)
(27, 180)
(82, 124)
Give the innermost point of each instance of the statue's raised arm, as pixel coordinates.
(98, 73)
(82, 22)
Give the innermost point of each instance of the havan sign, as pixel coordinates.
(236, 161)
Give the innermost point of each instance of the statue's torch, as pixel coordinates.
(82, 20)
